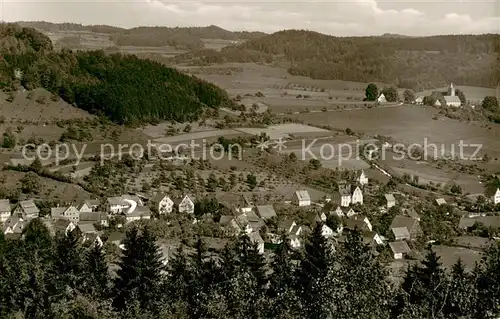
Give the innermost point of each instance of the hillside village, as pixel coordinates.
(343, 211)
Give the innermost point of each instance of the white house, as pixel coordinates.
(163, 203)
(13, 225)
(326, 231)
(4, 210)
(357, 196)
(381, 98)
(362, 179)
(496, 197)
(344, 212)
(186, 205)
(419, 100)
(88, 206)
(255, 238)
(290, 227)
(364, 219)
(343, 196)
(71, 213)
(302, 198)
(390, 200)
(64, 225)
(117, 205)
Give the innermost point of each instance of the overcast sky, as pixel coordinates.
(341, 18)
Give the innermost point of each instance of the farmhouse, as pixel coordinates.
(440, 201)
(140, 212)
(361, 178)
(343, 197)
(88, 206)
(230, 225)
(162, 203)
(64, 225)
(255, 238)
(399, 249)
(13, 225)
(344, 212)
(381, 98)
(186, 205)
(121, 204)
(413, 229)
(359, 222)
(71, 213)
(5, 210)
(371, 238)
(266, 212)
(495, 197)
(290, 227)
(26, 209)
(390, 200)
(235, 202)
(301, 198)
(94, 218)
(357, 196)
(419, 100)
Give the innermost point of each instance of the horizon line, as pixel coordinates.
(249, 31)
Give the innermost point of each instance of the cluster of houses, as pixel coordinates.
(259, 222)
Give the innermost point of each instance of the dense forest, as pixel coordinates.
(46, 276)
(182, 38)
(417, 63)
(124, 88)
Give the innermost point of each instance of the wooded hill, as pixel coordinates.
(124, 88)
(182, 38)
(410, 62)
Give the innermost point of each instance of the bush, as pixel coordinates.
(9, 139)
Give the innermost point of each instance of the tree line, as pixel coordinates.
(59, 277)
(189, 38)
(415, 63)
(124, 88)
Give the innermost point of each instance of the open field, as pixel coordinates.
(37, 106)
(426, 173)
(218, 44)
(284, 130)
(50, 189)
(412, 124)
(450, 255)
(273, 80)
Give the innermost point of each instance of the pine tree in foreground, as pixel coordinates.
(97, 281)
(140, 276)
(315, 276)
(282, 297)
(363, 289)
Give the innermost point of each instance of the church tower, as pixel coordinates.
(451, 90)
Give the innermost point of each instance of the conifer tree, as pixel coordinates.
(365, 290)
(283, 300)
(488, 284)
(427, 284)
(140, 276)
(97, 280)
(68, 266)
(462, 297)
(315, 280)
